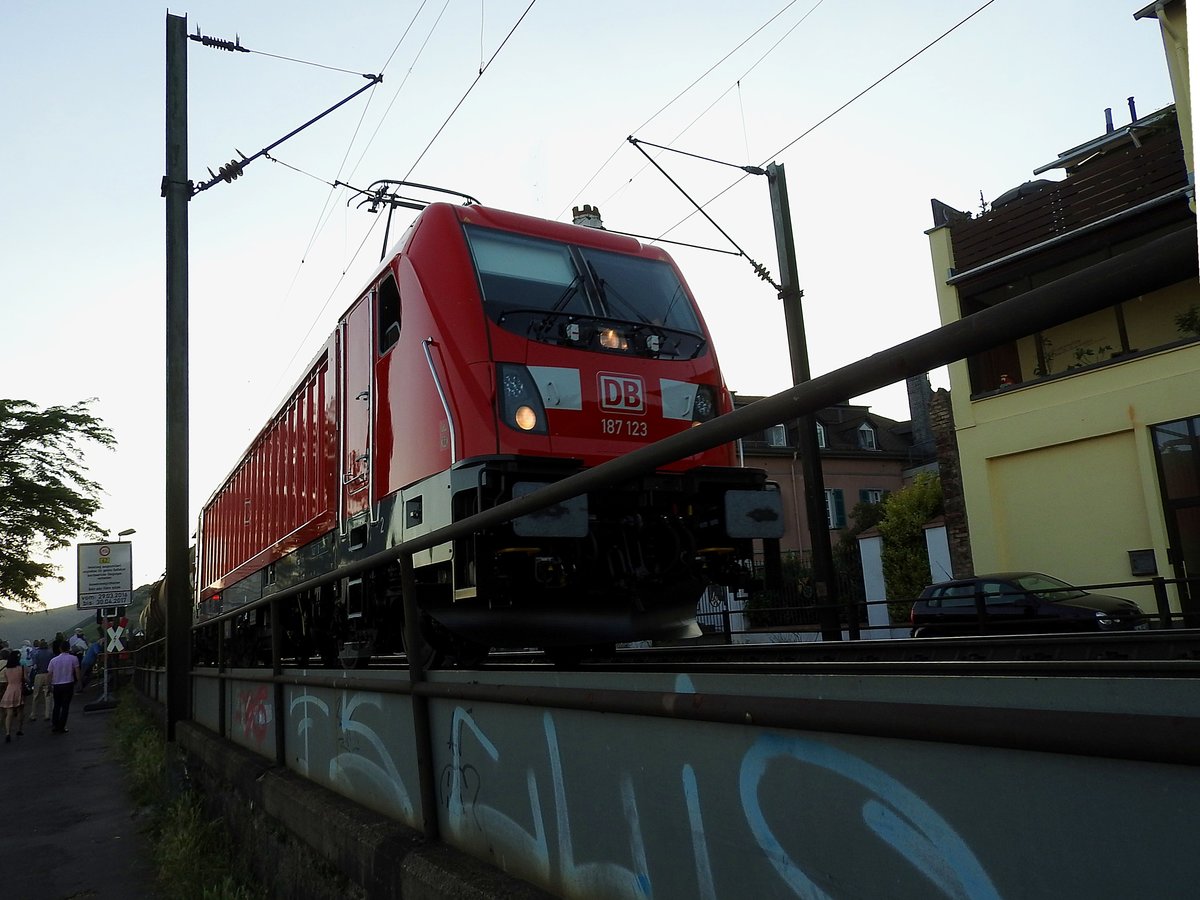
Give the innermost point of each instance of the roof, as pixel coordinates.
(842, 422)
(1151, 11)
(1118, 137)
(1119, 187)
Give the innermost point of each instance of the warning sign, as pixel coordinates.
(105, 574)
(115, 645)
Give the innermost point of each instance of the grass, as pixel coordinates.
(196, 860)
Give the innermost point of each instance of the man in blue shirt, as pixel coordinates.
(90, 657)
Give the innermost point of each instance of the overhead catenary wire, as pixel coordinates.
(358, 250)
(737, 84)
(470, 88)
(327, 207)
(749, 170)
(677, 97)
(236, 46)
(234, 168)
(878, 81)
(316, 318)
(400, 88)
(304, 62)
(762, 271)
(742, 110)
(280, 162)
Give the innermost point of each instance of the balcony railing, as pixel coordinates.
(1118, 181)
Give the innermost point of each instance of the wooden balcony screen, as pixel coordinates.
(1102, 187)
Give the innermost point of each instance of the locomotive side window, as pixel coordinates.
(388, 305)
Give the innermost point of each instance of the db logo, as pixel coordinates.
(622, 393)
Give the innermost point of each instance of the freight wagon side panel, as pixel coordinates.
(281, 496)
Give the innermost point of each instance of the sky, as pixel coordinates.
(278, 254)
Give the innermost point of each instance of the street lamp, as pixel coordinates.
(126, 533)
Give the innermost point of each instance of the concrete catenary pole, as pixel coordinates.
(810, 451)
(177, 191)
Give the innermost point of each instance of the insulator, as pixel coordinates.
(219, 43)
(231, 170)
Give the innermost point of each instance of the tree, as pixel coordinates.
(47, 497)
(905, 558)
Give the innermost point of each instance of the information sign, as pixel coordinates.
(105, 574)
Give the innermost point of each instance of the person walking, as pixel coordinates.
(89, 659)
(13, 700)
(78, 643)
(64, 676)
(41, 680)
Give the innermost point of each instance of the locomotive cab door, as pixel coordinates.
(356, 402)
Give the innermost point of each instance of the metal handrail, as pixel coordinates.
(437, 383)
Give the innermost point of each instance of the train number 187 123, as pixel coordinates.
(623, 427)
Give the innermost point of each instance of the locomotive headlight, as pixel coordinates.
(704, 407)
(611, 339)
(520, 401)
(525, 418)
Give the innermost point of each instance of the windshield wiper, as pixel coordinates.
(568, 293)
(602, 289)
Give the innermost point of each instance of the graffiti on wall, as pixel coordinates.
(254, 712)
(359, 754)
(893, 813)
(532, 833)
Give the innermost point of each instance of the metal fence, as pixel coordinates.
(794, 609)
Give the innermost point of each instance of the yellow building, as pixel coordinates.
(1080, 445)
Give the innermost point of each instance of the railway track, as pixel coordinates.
(1172, 653)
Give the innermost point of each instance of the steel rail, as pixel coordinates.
(1027, 668)
(1171, 257)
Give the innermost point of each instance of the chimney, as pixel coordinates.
(1108, 125)
(920, 394)
(1132, 111)
(587, 216)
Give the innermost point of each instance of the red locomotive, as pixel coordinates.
(490, 353)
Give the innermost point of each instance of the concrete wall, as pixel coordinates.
(826, 785)
(309, 843)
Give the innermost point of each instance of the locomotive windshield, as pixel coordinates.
(594, 299)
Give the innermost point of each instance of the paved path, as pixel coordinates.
(67, 827)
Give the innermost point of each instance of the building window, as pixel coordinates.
(835, 508)
(820, 436)
(866, 437)
(871, 495)
(777, 436)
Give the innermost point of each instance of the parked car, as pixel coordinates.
(1019, 603)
